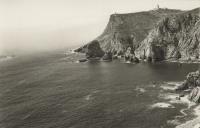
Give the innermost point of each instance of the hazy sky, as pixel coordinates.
(44, 24)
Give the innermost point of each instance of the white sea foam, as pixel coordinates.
(174, 122)
(197, 126)
(176, 99)
(140, 89)
(170, 85)
(197, 111)
(162, 105)
(174, 83)
(88, 97)
(128, 62)
(71, 51)
(169, 96)
(77, 61)
(166, 87)
(152, 85)
(195, 123)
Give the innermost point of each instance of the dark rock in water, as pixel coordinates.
(81, 49)
(93, 50)
(83, 60)
(178, 98)
(181, 95)
(130, 56)
(135, 59)
(195, 95)
(193, 79)
(107, 56)
(192, 82)
(149, 59)
(182, 87)
(115, 57)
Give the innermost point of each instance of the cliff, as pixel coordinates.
(176, 36)
(128, 30)
(155, 35)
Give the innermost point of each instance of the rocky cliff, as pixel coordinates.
(125, 30)
(128, 30)
(192, 83)
(156, 35)
(175, 36)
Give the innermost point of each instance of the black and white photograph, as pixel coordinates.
(99, 63)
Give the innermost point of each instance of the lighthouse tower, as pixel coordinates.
(158, 7)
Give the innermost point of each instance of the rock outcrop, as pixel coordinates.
(92, 50)
(130, 56)
(175, 36)
(192, 83)
(107, 56)
(195, 95)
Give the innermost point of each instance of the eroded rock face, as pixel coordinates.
(195, 95)
(107, 56)
(128, 30)
(174, 37)
(192, 82)
(154, 35)
(93, 50)
(130, 56)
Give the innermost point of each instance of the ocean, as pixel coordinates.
(52, 90)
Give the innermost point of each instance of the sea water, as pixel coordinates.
(51, 90)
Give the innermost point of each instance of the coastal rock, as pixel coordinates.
(193, 79)
(107, 56)
(92, 50)
(192, 82)
(155, 35)
(195, 95)
(82, 60)
(175, 37)
(182, 87)
(128, 30)
(135, 60)
(130, 56)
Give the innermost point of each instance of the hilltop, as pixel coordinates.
(135, 30)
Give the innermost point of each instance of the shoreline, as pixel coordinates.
(194, 123)
(184, 61)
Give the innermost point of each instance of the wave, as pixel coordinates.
(142, 90)
(175, 98)
(192, 123)
(88, 97)
(170, 85)
(5, 58)
(91, 95)
(162, 105)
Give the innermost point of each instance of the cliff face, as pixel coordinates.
(175, 36)
(128, 30)
(155, 35)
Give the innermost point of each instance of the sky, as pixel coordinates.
(31, 25)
